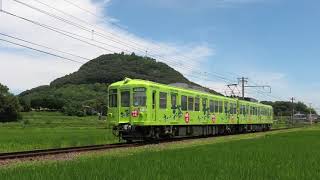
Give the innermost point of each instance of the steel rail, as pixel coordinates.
(46, 152)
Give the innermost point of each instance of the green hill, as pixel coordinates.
(115, 67)
(85, 91)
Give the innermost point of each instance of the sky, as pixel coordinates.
(212, 42)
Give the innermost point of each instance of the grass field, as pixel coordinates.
(39, 130)
(293, 154)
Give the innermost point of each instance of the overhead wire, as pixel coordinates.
(89, 30)
(38, 50)
(43, 46)
(94, 14)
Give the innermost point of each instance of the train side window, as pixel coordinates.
(235, 108)
(204, 104)
(184, 103)
(220, 107)
(190, 103)
(215, 106)
(125, 99)
(163, 100)
(173, 100)
(211, 104)
(197, 104)
(226, 105)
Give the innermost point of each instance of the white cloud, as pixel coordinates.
(21, 71)
(27, 71)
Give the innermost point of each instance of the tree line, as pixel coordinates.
(284, 108)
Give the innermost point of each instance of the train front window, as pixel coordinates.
(139, 97)
(125, 99)
(113, 98)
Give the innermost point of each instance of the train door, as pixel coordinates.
(154, 105)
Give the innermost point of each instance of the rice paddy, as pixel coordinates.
(42, 130)
(290, 154)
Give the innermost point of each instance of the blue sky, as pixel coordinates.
(249, 37)
(272, 42)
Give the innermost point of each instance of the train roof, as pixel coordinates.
(128, 81)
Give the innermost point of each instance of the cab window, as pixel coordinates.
(139, 97)
(163, 100)
(113, 98)
(125, 99)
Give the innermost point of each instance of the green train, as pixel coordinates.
(145, 110)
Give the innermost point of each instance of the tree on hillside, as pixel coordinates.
(9, 105)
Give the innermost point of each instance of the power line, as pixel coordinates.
(214, 74)
(36, 44)
(89, 30)
(53, 29)
(38, 50)
(45, 26)
(63, 32)
(100, 35)
(93, 14)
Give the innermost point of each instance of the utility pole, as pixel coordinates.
(243, 81)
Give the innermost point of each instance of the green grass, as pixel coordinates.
(40, 130)
(288, 155)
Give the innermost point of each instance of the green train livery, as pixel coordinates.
(144, 110)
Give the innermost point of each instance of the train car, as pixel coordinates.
(144, 110)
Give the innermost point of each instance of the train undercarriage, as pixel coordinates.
(150, 133)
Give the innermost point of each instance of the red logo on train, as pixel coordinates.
(213, 118)
(187, 117)
(134, 113)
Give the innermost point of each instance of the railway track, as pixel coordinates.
(46, 152)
